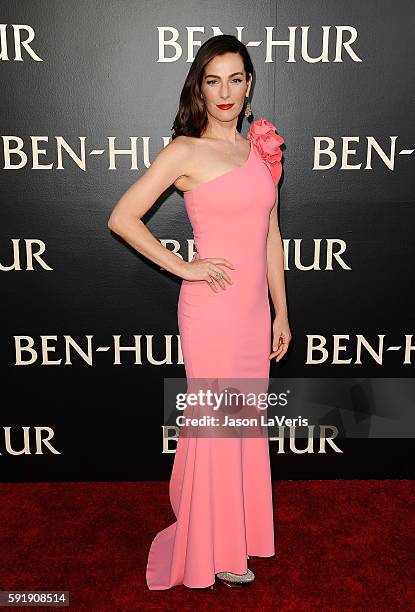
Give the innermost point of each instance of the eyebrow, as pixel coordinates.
(218, 77)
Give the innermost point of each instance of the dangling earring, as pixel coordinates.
(248, 109)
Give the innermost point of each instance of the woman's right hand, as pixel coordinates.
(208, 270)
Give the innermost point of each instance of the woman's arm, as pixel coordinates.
(275, 264)
(276, 283)
(125, 218)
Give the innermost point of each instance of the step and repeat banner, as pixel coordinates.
(89, 331)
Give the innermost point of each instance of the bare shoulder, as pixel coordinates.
(169, 163)
(179, 143)
(177, 150)
(185, 150)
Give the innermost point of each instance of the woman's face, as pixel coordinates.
(224, 83)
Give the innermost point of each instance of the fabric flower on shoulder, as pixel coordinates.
(263, 136)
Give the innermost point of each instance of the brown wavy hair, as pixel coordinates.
(191, 117)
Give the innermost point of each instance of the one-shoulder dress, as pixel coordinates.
(221, 488)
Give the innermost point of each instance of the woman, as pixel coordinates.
(220, 487)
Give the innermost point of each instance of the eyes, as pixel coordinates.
(237, 80)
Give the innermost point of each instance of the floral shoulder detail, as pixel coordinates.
(263, 135)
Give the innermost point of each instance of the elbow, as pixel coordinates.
(117, 222)
(111, 224)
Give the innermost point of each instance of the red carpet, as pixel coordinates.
(341, 545)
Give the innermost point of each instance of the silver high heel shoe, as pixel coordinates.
(233, 580)
(236, 580)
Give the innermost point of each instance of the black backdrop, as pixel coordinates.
(87, 102)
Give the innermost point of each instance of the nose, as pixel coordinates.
(224, 92)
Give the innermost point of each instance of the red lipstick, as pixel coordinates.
(224, 106)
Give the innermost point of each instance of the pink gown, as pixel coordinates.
(221, 488)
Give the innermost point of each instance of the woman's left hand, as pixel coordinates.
(281, 337)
